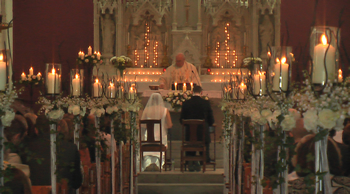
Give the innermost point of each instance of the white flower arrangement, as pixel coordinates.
(6, 100)
(32, 79)
(254, 60)
(120, 62)
(97, 111)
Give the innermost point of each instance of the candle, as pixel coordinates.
(175, 84)
(82, 55)
(23, 76)
(276, 78)
(256, 88)
(52, 82)
(263, 82)
(340, 76)
(131, 93)
(319, 73)
(111, 89)
(98, 55)
(38, 76)
(242, 91)
(89, 51)
(3, 76)
(96, 87)
(284, 76)
(191, 86)
(31, 71)
(184, 87)
(120, 92)
(76, 85)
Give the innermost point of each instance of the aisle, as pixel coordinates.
(175, 182)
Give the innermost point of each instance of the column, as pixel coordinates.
(119, 29)
(96, 26)
(277, 16)
(199, 23)
(255, 29)
(174, 15)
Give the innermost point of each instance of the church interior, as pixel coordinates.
(174, 96)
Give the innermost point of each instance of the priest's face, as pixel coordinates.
(180, 60)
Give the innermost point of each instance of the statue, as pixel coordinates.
(108, 33)
(265, 34)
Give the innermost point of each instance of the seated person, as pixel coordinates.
(18, 182)
(155, 110)
(198, 108)
(181, 72)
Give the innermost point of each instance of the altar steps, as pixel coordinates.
(170, 182)
(176, 150)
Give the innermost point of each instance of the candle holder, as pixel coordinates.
(77, 82)
(324, 53)
(53, 78)
(280, 60)
(4, 70)
(256, 81)
(111, 89)
(236, 88)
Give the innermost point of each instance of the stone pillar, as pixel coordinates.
(199, 23)
(255, 29)
(119, 30)
(96, 26)
(277, 16)
(174, 15)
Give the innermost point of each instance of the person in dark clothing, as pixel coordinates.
(198, 108)
(68, 158)
(18, 183)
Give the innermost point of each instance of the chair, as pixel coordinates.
(151, 145)
(193, 144)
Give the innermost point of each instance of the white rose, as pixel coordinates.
(8, 118)
(109, 110)
(266, 113)
(56, 114)
(86, 60)
(83, 111)
(29, 79)
(100, 112)
(328, 118)
(178, 102)
(176, 93)
(288, 123)
(168, 99)
(74, 109)
(256, 117)
(310, 120)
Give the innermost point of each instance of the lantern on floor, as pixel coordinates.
(53, 78)
(324, 43)
(111, 89)
(77, 82)
(97, 88)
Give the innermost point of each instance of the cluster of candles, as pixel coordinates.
(31, 72)
(227, 50)
(112, 90)
(184, 87)
(235, 93)
(81, 54)
(53, 82)
(145, 73)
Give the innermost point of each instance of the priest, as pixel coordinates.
(180, 72)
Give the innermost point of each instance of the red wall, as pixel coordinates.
(45, 30)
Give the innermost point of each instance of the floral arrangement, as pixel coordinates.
(31, 79)
(176, 99)
(6, 100)
(252, 60)
(120, 62)
(89, 58)
(51, 109)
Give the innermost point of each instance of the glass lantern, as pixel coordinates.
(324, 43)
(53, 78)
(111, 89)
(258, 80)
(280, 68)
(77, 82)
(97, 87)
(4, 74)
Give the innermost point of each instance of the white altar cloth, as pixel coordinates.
(210, 94)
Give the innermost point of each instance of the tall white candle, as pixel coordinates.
(263, 82)
(242, 90)
(319, 73)
(276, 78)
(340, 76)
(284, 81)
(98, 55)
(184, 87)
(131, 93)
(76, 85)
(96, 87)
(31, 71)
(191, 86)
(89, 51)
(38, 76)
(111, 89)
(3, 76)
(23, 76)
(256, 88)
(175, 85)
(52, 82)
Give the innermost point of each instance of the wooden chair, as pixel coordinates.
(151, 145)
(193, 144)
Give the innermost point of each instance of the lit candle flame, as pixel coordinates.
(76, 76)
(39, 74)
(283, 60)
(23, 74)
(1, 57)
(324, 39)
(277, 60)
(53, 71)
(96, 81)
